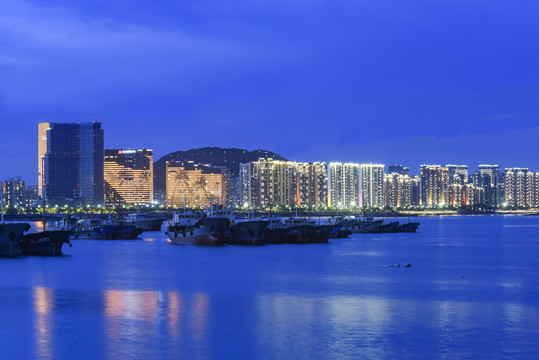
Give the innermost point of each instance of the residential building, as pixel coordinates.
(344, 185)
(372, 185)
(434, 185)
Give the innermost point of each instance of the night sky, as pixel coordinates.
(396, 81)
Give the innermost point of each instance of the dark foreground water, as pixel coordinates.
(472, 292)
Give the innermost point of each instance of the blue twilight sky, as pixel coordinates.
(446, 81)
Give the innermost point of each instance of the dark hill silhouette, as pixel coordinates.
(231, 158)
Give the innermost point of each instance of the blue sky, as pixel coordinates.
(407, 82)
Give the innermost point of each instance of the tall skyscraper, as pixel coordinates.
(344, 185)
(128, 177)
(434, 185)
(70, 163)
(372, 185)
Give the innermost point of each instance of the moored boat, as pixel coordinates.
(205, 232)
(274, 230)
(144, 221)
(250, 232)
(112, 232)
(297, 231)
(408, 227)
(48, 242)
(10, 238)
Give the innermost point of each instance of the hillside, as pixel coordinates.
(231, 158)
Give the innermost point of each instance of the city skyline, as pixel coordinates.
(368, 82)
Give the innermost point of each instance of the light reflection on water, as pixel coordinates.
(43, 305)
(474, 297)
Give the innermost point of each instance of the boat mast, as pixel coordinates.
(44, 221)
(2, 201)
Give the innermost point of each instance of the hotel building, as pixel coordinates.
(128, 177)
(196, 185)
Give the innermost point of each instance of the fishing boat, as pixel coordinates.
(408, 227)
(297, 231)
(250, 232)
(112, 232)
(275, 230)
(144, 221)
(204, 232)
(10, 238)
(48, 242)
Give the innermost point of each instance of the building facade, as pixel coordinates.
(70, 163)
(519, 187)
(434, 185)
(372, 185)
(196, 185)
(397, 190)
(458, 174)
(344, 185)
(266, 183)
(13, 192)
(128, 177)
(488, 178)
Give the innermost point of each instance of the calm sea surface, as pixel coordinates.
(472, 292)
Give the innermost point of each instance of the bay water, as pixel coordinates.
(471, 292)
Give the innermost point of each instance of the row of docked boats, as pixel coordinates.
(369, 225)
(219, 226)
(109, 228)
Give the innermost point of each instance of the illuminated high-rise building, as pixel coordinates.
(488, 178)
(13, 192)
(128, 177)
(269, 182)
(70, 163)
(344, 185)
(196, 185)
(372, 185)
(434, 185)
(464, 195)
(397, 190)
(312, 184)
(458, 174)
(518, 187)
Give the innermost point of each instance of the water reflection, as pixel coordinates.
(324, 328)
(137, 322)
(43, 306)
